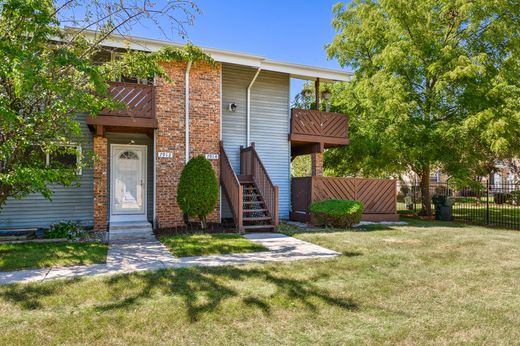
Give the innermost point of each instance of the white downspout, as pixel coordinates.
(187, 115)
(248, 106)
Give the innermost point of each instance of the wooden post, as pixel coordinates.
(317, 92)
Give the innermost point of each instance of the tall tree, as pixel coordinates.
(437, 85)
(48, 74)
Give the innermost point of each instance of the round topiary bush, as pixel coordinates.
(197, 193)
(337, 213)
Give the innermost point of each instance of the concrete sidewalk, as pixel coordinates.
(152, 255)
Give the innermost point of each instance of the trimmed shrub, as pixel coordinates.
(337, 213)
(515, 197)
(197, 193)
(501, 198)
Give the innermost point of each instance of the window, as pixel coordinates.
(128, 155)
(435, 177)
(117, 56)
(68, 156)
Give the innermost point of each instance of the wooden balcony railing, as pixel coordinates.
(140, 106)
(232, 188)
(251, 165)
(313, 126)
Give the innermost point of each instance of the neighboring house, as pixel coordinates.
(503, 175)
(140, 151)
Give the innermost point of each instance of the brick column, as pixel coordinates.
(100, 183)
(317, 164)
(170, 136)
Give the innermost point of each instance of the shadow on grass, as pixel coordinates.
(202, 290)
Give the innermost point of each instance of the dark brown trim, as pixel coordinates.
(318, 139)
(123, 121)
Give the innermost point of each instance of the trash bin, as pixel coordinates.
(443, 207)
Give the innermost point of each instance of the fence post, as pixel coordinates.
(487, 202)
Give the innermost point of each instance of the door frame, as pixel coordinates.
(129, 217)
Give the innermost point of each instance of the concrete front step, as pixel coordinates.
(130, 232)
(128, 226)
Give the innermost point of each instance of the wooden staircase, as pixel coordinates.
(251, 196)
(255, 214)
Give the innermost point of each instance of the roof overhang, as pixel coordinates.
(225, 56)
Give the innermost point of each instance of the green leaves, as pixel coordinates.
(48, 75)
(437, 83)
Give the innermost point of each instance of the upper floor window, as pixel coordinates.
(435, 177)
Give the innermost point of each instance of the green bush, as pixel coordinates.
(337, 213)
(515, 197)
(197, 193)
(65, 229)
(501, 198)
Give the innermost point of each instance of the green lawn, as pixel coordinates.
(33, 255)
(424, 283)
(505, 215)
(209, 244)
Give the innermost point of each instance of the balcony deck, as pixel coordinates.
(140, 110)
(313, 130)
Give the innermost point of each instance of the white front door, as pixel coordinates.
(127, 183)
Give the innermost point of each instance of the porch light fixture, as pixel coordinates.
(233, 107)
(326, 95)
(306, 93)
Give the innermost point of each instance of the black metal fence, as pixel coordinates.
(485, 204)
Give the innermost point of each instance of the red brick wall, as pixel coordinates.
(317, 164)
(170, 135)
(100, 183)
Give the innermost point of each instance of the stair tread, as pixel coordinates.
(258, 226)
(256, 218)
(254, 210)
(253, 202)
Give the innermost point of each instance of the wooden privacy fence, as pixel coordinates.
(379, 196)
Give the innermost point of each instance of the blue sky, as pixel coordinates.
(286, 30)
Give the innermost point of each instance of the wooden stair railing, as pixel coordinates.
(251, 165)
(232, 189)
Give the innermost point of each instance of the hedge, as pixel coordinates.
(337, 213)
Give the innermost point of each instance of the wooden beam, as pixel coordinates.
(123, 121)
(318, 139)
(317, 92)
(307, 149)
(100, 130)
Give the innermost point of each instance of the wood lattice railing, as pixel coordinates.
(232, 188)
(379, 196)
(138, 98)
(327, 127)
(251, 165)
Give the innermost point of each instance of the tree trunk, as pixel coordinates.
(426, 200)
(203, 223)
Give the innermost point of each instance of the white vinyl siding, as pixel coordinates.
(70, 203)
(269, 124)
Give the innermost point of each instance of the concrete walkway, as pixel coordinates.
(148, 254)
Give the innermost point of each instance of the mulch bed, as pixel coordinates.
(194, 227)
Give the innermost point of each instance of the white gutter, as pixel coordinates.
(248, 106)
(187, 109)
(154, 177)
